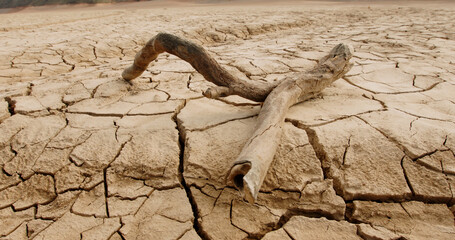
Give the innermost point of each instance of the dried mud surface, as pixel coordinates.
(86, 155)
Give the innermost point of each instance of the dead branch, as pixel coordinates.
(202, 62)
(249, 169)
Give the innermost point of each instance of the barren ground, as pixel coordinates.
(86, 155)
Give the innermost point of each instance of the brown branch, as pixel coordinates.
(249, 169)
(201, 61)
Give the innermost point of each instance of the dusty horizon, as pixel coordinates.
(187, 3)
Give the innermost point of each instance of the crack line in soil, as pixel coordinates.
(196, 225)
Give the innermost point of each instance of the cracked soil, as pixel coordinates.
(87, 155)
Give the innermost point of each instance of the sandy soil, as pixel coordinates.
(85, 154)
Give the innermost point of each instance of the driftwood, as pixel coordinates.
(249, 169)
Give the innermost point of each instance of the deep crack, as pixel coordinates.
(106, 195)
(408, 182)
(196, 224)
(11, 105)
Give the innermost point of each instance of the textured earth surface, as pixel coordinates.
(86, 155)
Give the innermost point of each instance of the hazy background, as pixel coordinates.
(25, 3)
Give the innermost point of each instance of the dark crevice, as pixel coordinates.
(221, 99)
(346, 150)
(29, 89)
(223, 122)
(321, 154)
(289, 235)
(196, 224)
(318, 149)
(120, 233)
(106, 192)
(11, 105)
(405, 210)
(408, 182)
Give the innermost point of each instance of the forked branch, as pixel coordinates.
(249, 169)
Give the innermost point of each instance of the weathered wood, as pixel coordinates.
(202, 62)
(249, 169)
